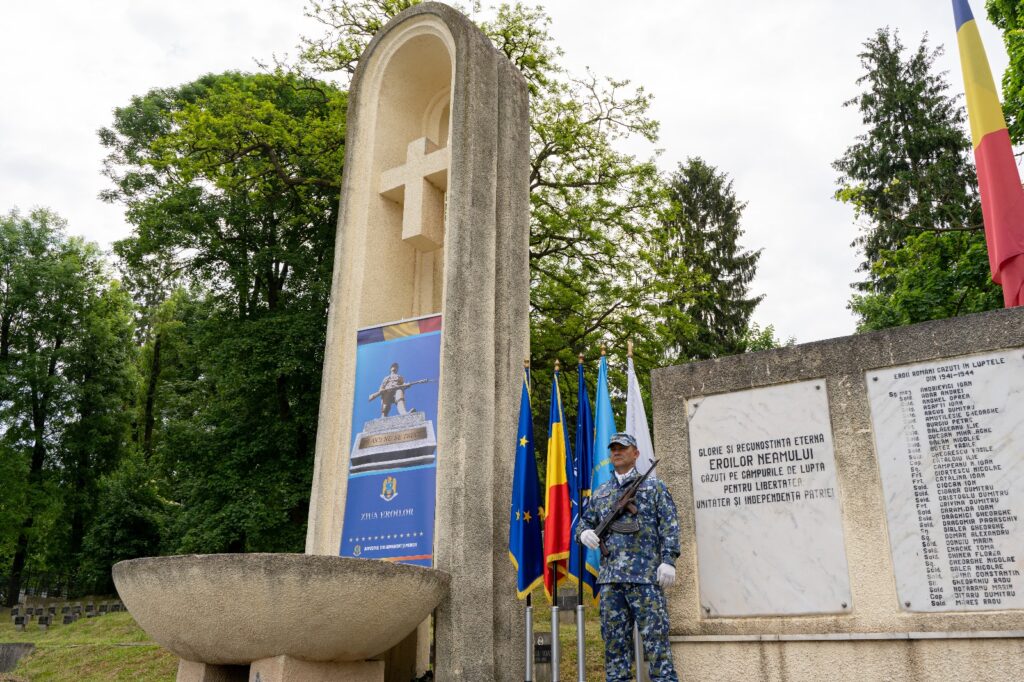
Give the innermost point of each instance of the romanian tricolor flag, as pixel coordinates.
(525, 548)
(1002, 199)
(557, 501)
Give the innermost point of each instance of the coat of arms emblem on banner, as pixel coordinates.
(389, 490)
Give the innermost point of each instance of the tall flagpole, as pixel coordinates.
(555, 648)
(528, 676)
(581, 642)
(638, 647)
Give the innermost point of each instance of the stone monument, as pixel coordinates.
(434, 221)
(851, 509)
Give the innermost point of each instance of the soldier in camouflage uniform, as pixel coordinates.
(644, 548)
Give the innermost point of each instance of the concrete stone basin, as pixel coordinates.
(239, 608)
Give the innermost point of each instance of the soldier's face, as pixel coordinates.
(624, 457)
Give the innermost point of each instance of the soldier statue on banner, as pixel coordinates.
(392, 392)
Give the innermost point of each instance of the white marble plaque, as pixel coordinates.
(950, 442)
(769, 526)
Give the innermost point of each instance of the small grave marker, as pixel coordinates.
(542, 657)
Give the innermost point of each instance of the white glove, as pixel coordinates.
(590, 539)
(666, 575)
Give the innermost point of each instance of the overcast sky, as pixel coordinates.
(754, 88)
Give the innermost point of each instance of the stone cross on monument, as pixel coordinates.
(419, 185)
(434, 220)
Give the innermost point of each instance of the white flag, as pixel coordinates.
(636, 421)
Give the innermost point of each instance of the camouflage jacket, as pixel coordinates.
(635, 557)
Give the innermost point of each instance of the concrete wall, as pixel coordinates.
(730, 648)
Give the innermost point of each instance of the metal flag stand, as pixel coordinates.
(555, 648)
(581, 643)
(529, 638)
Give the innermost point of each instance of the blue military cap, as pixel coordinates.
(622, 439)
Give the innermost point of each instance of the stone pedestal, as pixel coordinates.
(406, 440)
(288, 669)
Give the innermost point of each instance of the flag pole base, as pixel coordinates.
(581, 645)
(556, 653)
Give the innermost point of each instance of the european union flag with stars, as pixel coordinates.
(525, 548)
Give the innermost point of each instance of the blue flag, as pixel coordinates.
(581, 495)
(525, 547)
(604, 429)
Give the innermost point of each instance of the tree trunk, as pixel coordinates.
(149, 418)
(18, 566)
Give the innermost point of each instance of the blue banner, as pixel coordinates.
(392, 482)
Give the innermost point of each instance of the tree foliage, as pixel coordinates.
(701, 228)
(911, 181)
(1008, 15)
(231, 183)
(66, 375)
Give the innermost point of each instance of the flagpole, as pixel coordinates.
(527, 436)
(581, 642)
(638, 647)
(529, 639)
(528, 677)
(555, 648)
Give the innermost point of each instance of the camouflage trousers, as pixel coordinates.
(621, 605)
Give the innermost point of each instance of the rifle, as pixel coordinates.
(622, 505)
(402, 387)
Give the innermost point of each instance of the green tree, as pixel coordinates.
(702, 228)
(1008, 15)
(101, 373)
(130, 520)
(231, 183)
(908, 175)
(65, 373)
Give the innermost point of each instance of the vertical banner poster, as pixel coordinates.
(389, 509)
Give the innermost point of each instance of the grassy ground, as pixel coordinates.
(113, 648)
(567, 638)
(106, 648)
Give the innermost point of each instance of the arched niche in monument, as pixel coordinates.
(434, 220)
(409, 159)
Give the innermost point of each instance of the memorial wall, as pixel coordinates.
(851, 508)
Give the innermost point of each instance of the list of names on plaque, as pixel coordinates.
(766, 503)
(949, 437)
